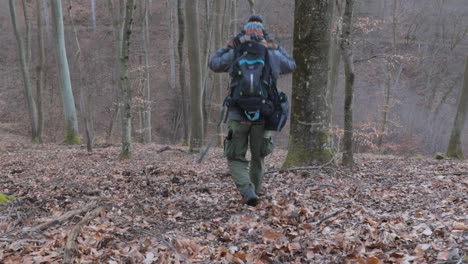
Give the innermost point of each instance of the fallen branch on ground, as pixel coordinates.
(71, 240)
(62, 218)
(167, 148)
(305, 168)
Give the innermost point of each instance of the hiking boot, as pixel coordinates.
(251, 198)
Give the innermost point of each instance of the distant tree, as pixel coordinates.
(217, 80)
(83, 91)
(454, 149)
(182, 82)
(252, 6)
(72, 134)
(309, 140)
(40, 69)
(234, 17)
(24, 63)
(147, 86)
(347, 52)
(117, 18)
(193, 43)
(125, 86)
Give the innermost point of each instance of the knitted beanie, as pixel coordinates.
(254, 26)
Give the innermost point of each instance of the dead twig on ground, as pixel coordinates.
(70, 245)
(328, 216)
(7, 239)
(62, 218)
(175, 250)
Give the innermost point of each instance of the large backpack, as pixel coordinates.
(251, 81)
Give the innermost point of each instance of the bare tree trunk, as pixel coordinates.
(126, 95)
(205, 73)
(47, 17)
(72, 134)
(22, 54)
(454, 149)
(182, 83)
(147, 87)
(82, 90)
(234, 17)
(193, 43)
(116, 27)
(40, 84)
(93, 13)
(252, 6)
(309, 141)
(347, 51)
(27, 23)
(217, 84)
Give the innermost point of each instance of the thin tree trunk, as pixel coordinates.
(47, 17)
(40, 68)
(309, 141)
(147, 87)
(217, 85)
(126, 110)
(82, 90)
(27, 23)
(93, 13)
(347, 51)
(252, 6)
(234, 17)
(116, 27)
(22, 54)
(182, 82)
(193, 43)
(205, 73)
(454, 149)
(72, 134)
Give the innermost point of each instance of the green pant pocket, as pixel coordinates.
(267, 147)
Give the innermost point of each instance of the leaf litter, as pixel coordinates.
(165, 208)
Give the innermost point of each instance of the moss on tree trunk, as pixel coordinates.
(309, 141)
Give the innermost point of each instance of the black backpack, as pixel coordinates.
(253, 89)
(251, 81)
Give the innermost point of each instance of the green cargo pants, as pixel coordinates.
(240, 135)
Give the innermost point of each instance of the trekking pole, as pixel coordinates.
(202, 156)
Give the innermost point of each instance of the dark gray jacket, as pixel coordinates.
(280, 62)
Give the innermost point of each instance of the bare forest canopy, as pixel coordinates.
(409, 67)
(380, 86)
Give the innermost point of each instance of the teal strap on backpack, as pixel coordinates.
(251, 62)
(255, 117)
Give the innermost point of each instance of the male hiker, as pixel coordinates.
(254, 63)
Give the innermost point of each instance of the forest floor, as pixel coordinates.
(165, 208)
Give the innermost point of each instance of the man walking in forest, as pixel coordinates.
(254, 63)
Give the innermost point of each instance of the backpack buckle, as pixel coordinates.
(252, 116)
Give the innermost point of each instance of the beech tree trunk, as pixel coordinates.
(347, 51)
(40, 69)
(147, 89)
(82, 90)
(116, 27)
(72, 134)
(22, 56)
(182, 82)
(196, 93)
(125, 86)
(454, 149)
(309, 141)
(217, 80)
